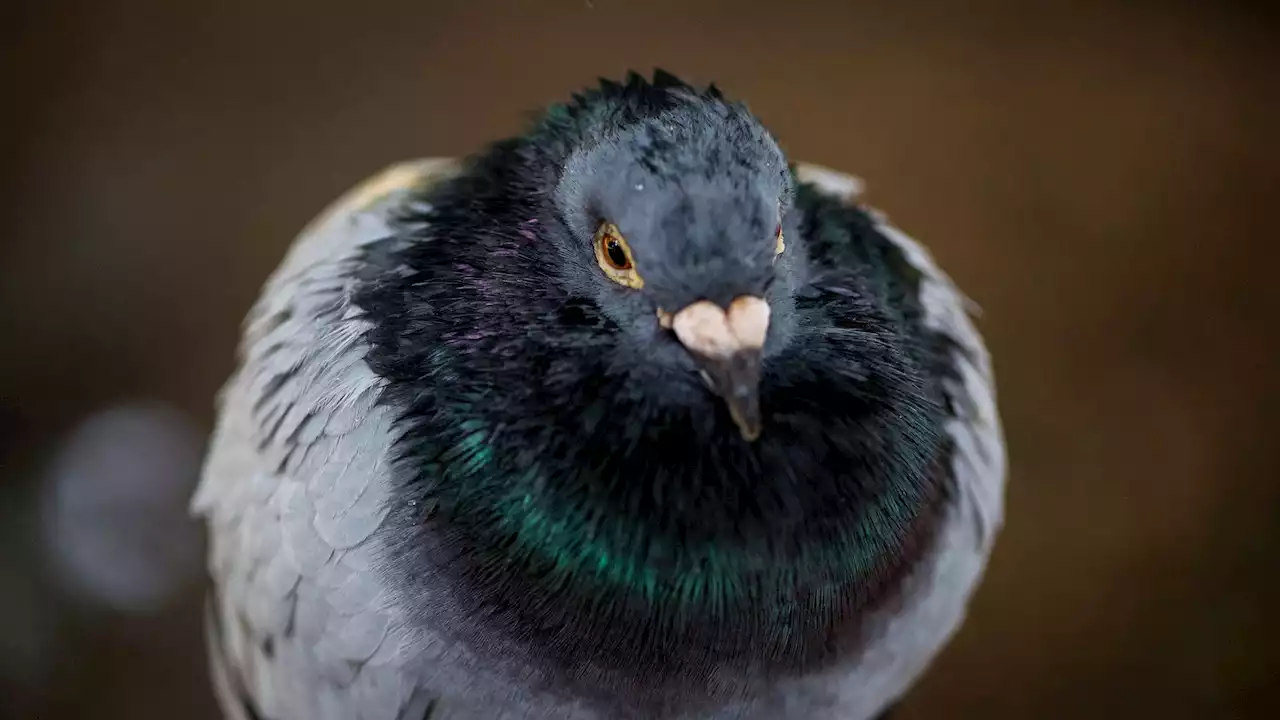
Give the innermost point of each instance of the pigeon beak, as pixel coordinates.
(727, 344)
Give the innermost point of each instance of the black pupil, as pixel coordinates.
(617, 257)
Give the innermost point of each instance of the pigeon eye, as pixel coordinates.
(614, 253)
(614, 257)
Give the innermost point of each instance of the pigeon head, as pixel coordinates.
(629, 409)
(673, 224)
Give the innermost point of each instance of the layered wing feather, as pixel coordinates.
(295, 483)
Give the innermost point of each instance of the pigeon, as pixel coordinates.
(627, 417)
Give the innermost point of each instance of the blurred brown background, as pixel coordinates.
(1101, 179)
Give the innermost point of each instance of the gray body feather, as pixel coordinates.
(294, 492)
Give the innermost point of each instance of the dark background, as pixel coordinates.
(1100, 178)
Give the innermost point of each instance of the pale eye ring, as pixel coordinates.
(613, 255)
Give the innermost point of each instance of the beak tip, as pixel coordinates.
(736, 380)
(749, 426)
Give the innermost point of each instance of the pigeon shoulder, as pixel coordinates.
(294, 484)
